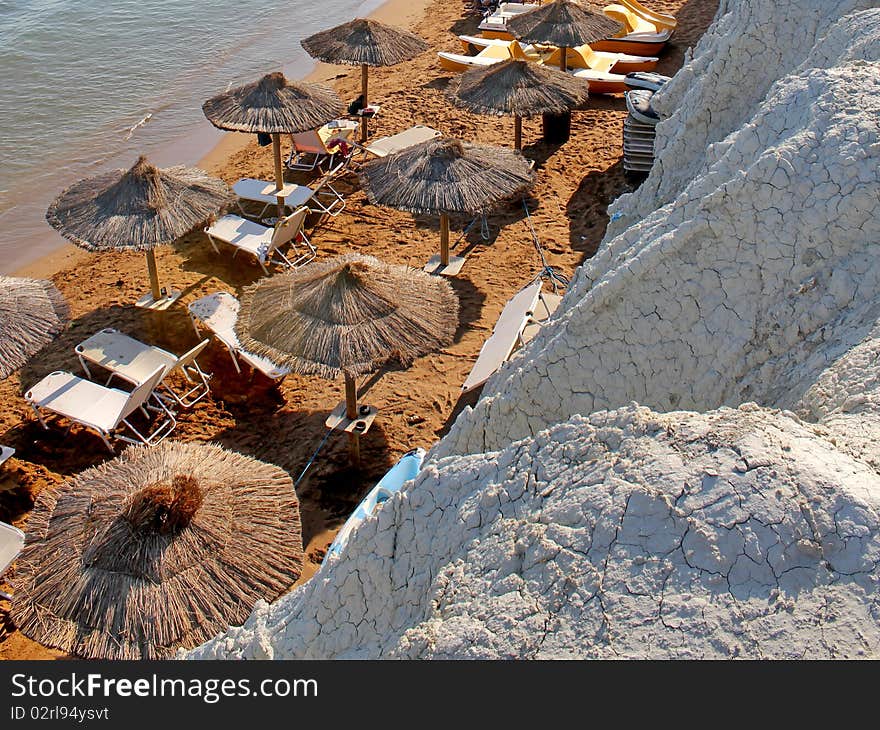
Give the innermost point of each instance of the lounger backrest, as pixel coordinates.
(11, 543)
(141, 394)
(187, 357)
(309, 141)
(287, 228)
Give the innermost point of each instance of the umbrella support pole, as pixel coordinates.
(156, 299)
(355, 420)
(351, 412)
(444, 263)
(517, 133)
(279, 172)
(364, 75)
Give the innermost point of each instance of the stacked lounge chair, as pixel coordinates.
(638, 128)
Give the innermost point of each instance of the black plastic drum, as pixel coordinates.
(557, 128)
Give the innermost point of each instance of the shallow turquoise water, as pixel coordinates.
(86, 86)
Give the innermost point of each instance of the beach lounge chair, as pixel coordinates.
(11, 543)
(5, 453)
(262, 242)
(134, 361)
(319, 198)
(385, 146)
(218, 313)
(316, 147)
(529, 307)
(102, 409)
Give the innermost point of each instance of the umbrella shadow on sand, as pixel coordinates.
(329, 488)
(587, 208)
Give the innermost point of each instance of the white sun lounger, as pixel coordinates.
(105, 410)
(262, 242)
(385, 146)
(260, 191)
(134, 361)
(507, 334)
(11, 543)
(5, 453)
(218, 313)
(322, 198)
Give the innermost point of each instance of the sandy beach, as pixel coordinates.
(283, 424)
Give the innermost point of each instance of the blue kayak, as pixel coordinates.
(404, 470)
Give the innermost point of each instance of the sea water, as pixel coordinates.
(87, 86)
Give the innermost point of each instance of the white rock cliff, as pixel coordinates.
(684, 462)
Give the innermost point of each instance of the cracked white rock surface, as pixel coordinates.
(629, 534)
(558, 518)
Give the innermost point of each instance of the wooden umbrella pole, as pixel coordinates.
(279, 171)
(351, 412)
(517, 133)
(444, 239)
(364, 74)
(563, 58)
(154, 275)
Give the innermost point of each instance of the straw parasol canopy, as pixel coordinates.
(362, 42)
(158, 549)
(348, 316)
(519, 89)
(564, 24)
(274, 105)
(138, 209)
(446, 176)
(32, 314)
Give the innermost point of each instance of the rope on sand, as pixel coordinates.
(314, 456)
(547, 272)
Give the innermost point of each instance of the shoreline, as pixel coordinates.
(403, 13)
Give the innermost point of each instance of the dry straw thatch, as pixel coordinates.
(446, 175)
(363, 42)
(273, 105)
(563, 23)
(347, 315)
(32, 314)
(139, 208)
(158, 549)
(518, 88)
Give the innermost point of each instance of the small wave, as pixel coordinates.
(141, 123)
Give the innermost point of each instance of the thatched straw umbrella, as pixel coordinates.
(364, 43)
(347, 316)
(520, 89)
(564, 24)
(446, 176)
(158, 549)
(32, 314)
(136, 210)
(273, 105)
